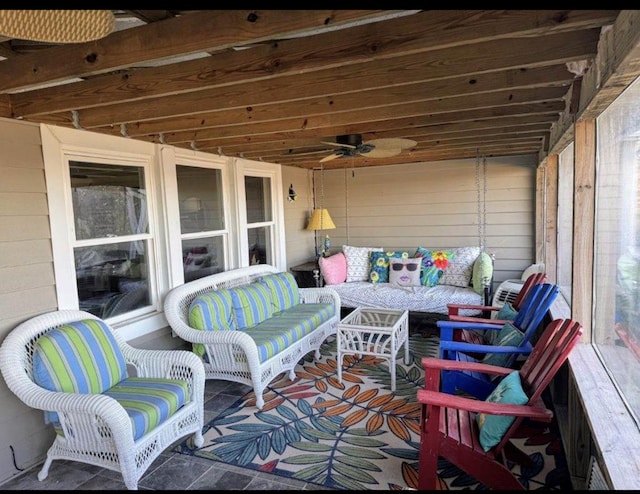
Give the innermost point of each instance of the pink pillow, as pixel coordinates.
(333, 268)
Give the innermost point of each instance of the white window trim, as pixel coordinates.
(58, 144)
(170, 157)
(159, 161)
(243, 167)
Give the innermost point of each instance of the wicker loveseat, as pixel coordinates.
(251, 324)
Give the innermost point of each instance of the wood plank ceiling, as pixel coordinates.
(273, 85)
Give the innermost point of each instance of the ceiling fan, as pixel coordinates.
(352, 145)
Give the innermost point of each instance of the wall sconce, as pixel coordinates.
(292, 194)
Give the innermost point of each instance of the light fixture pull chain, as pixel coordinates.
(478, 198)
(321, 195)
(481, 191)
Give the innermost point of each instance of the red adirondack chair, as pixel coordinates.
(448, 426)
(454, 309)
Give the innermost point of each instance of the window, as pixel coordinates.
(131, 219)
(616, 316)
(260, 213)
(111, 242)
(202, 221)
(565, 221)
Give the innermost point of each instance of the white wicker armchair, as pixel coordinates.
(95, 428)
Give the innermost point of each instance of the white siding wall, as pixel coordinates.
(435, 205)
(299, 242)
(26, 279)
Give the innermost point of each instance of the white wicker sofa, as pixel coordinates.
(227, 318)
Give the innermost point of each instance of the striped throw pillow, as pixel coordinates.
(283, 289)
(212, 310)
(79, 357)
(251, 304)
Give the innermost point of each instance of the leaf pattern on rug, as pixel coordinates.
(355, 434)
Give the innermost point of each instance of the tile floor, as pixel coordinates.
(173, 471)
(170, 471)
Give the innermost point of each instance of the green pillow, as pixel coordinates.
(509, 335)
(482, 269)
(507, 313)
(493, 427)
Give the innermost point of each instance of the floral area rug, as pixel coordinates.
(357, 434)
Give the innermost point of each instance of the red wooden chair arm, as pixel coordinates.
(454, 309)
(445, 364)
(473, 319)
(439, 399)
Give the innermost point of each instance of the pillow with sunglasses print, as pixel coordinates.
(404, 272)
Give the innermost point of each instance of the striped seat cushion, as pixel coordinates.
(285, 328)
(149, 401)
(79, 357)
(251, 304)
(283, 289)
(211, 311)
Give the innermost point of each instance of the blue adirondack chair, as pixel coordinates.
(501, 344)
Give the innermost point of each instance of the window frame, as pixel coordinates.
(244, 167)
(170, 158)
(159, 162)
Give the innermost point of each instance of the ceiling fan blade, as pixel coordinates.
(392, 143)
(331, 157)
(337, 144)
(382, 153)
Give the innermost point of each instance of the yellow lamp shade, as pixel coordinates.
(320, 220)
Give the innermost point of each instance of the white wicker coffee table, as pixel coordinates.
(378, 332)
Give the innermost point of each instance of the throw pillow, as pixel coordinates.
(493, 427)
(404, 272)
(482, 270)
(460, 268)
(251, 304)
(333, 269)
(509, 335)
(379, 265)
(358, 262)
(283, 289)
(434, 264)
(507, 312)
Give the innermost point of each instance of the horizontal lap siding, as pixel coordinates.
(435, 205)
(27, 285)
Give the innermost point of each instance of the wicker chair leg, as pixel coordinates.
(44, 471)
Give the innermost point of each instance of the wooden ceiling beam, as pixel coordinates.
(419, 157)
(298, 117)
(531, 110)
(376, 116)
(453, 62)
(556, 75)
(430, 30)
(209, 30)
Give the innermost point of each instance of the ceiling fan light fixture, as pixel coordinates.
(56, 26)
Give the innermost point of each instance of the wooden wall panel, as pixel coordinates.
(435, 205)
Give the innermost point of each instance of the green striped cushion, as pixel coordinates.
(211, 311)
(283, 289)
(251, 304)
(149, 401)
(284, 328)
(79, 357)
